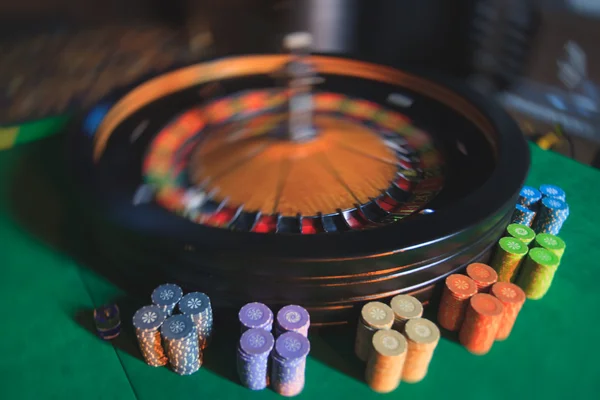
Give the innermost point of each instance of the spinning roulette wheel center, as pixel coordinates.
(294, 179)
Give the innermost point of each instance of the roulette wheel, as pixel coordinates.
(295, 178)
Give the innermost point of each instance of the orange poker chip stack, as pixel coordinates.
(386, 361)
(483, 275)
(513, 298)
(455, 297)
(481, 324)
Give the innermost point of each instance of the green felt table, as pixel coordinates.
(48, 348)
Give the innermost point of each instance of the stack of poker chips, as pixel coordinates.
(507, 258)
(553, 191)
(197, 306)
(373, 317)
(538, 272)
(522, 232)
(253, 354)
(181, 343)
(405, 307)
(422, 337)
(147, 322)
(523, 215)
(552, 215)
(483, 275)
(292, 318)
(256, 316)
(482, 321)
(529, 197)
(458, 289)
(386, 361)
(166, 297)
(289, 363)
(108, 321)
(552, 243)
(512, 298)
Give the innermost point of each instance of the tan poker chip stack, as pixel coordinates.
(422, 336)
(386, 360)
(405, 307)
(373, 317)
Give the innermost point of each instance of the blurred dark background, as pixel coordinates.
(539, 57)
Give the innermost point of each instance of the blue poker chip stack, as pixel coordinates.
(256, 315)
(166, 297)
(529, 197)
(253, 358)
(289, 363)
(197, 306)
(522, 215)
(181, 343)
(147, 322)
(552, 215)
(553, 191)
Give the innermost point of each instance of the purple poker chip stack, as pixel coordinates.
(292, 318)
(256, 316)
(166, 297)
(289, 363)
(253, 358)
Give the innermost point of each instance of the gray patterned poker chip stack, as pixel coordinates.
(181, 343)
(166, 297)
(256, 315)
(147, 322)
(197, 306)
(253, 358)
(293, 318)
(289, 363)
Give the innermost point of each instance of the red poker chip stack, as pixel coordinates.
(457, 291)
(513, 298)
(482, 321)
(483, 275)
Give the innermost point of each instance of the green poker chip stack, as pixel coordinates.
(522, 232)
(550, 242)
(507, 258)
(537, 272)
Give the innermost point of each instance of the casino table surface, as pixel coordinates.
(48, 348)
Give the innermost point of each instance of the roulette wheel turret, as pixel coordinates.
(295, 178)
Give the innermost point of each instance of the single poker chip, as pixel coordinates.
(293, 318)
(508, 293)
(483, 275)
(529, 196)
(377, 315)
(487, 305)
(544, 257)
(149, 318)
(256, 315)
(553, 191)
(256, 341)
(167, 296)
(406, 307)
(389, 343)
(521, 232)
(550, 242)
(107, 317)
(177, 327)
(460, 286)
(422, 331)
(292, 346)
(194, 303)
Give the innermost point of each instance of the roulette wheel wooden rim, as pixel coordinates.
(413, 247)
